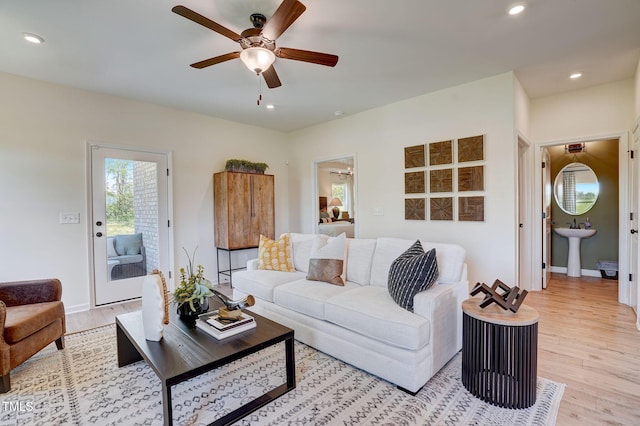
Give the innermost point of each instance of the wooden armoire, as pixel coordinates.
(243, 208)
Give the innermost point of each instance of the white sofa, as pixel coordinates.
(360, 323)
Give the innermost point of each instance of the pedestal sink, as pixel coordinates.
(574, 266)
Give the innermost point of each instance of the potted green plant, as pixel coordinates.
(245, 166)
(193, 290)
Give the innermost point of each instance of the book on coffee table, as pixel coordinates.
(220, 328)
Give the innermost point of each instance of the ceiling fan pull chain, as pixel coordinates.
(259, 89)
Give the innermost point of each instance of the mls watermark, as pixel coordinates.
(16, 406)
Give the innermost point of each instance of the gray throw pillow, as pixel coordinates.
(412, 272)
(128, 244)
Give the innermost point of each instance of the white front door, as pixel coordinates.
(546, 217)
(130, 220)
(634, 187)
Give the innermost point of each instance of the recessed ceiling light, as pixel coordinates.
(33, 38)
(575, 75)
(515, 10)
(270, 106)
(338, 113)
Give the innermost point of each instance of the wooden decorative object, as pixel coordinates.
(471, 178)
(509, 299)
(471, 209)
(471, 149)
(441, 153)
(414, 156)
(165, 295)
(441, 180)
(414, 209)
(441, 208)
(414, 183)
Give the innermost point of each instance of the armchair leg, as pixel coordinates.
(5, 383)
(60, 342)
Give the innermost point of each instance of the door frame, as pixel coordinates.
(524, 216)
(623, 208)
(89, 145)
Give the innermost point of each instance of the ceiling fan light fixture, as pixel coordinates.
(257, 59)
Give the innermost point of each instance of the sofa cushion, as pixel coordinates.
(370, 311)
(126, 259)
(327, 261)
(308, 297)
(128, 244)
(450, 261)
(301, 247)
(24, 320)
(412, 272)
(260, 282)
(275, 255)
(359, 258)
(450, 258)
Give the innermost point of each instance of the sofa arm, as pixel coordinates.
(441, 307)
(252, 264)
(28, 292)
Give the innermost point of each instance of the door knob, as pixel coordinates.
(634, 231)
(98, 223)
(98, 234)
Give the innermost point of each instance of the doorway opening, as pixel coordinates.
(606, 152)
(335, 196)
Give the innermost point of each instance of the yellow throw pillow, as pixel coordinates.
(275, 255)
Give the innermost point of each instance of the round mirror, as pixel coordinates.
(576, 188)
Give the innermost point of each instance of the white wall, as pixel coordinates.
(43, 133)
(379, 136)
(637, 91)
(522, 108)
(600, 110)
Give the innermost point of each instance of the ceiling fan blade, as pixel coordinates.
(206, 22)
(307, 56)
(271, 78)
(216, 60)
(283, 17)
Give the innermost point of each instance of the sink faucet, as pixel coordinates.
(574, 225)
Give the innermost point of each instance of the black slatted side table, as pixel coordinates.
(500, 354)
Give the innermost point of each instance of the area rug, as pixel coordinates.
(82, 385)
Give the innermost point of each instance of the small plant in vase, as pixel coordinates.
(193, 290)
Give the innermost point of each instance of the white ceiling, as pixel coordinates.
(389, 51)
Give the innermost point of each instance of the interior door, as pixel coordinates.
(129, 220)
(546, 217)
(634, 187)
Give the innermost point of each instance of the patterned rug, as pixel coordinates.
(82, 385)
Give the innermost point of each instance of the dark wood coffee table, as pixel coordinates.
(185, 352)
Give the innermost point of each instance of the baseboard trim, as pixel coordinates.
(585, 272)
(76, 308)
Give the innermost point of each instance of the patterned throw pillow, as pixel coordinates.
(412, 272)
(326, 263)
(275, 255)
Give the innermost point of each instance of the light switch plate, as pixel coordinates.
(378, 211)
(69, 217)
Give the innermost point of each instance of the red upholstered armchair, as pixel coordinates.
(31, 317)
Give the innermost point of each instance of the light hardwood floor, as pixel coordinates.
(587, 340)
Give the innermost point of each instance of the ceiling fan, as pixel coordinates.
(259, 43)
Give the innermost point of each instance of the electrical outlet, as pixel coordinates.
(378, 211)
(69, 217)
